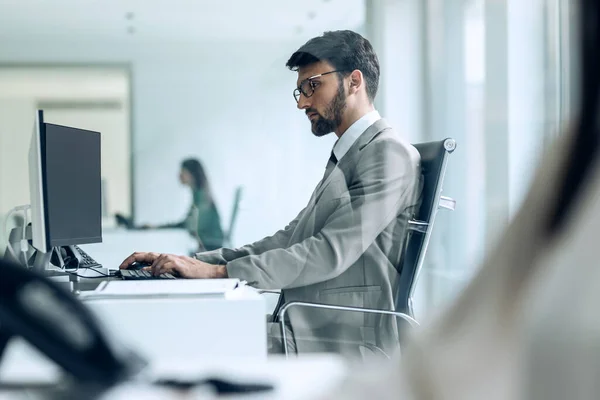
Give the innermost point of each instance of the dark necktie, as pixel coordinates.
(331, 163)
(332, 159)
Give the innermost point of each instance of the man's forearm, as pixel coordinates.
(209, 271)
(221, 271)
(202, 270)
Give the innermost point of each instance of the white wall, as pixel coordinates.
(395, 29)
(235, 111)
(229, 104)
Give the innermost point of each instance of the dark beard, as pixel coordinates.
(322, 125)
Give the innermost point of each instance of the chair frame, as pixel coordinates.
(418, 226)
(422, 227)
(283, 311)
(235, 209)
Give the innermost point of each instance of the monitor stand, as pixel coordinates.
(41, 261)
(38, 261)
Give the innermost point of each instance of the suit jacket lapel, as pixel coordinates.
(350, 157)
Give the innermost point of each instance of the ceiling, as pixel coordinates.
(177, 20)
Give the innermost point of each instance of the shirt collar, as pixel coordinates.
(344, 143)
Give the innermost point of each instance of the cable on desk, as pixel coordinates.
(100, 274)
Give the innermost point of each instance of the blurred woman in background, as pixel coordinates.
(202, 220)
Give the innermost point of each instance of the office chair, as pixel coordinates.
(434, 159)
(227, 240)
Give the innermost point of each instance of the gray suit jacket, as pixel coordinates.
(344, 247)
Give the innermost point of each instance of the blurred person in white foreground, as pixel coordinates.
(527, 326)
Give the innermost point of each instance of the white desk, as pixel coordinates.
(309, 377)
(186, 328)
(165, 330)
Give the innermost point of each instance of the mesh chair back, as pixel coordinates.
(434, 157)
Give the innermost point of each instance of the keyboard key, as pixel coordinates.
(141, 275)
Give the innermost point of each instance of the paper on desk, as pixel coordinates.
(166, 287)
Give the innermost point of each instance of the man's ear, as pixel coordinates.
(355, 82)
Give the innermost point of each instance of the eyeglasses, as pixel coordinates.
(307, 87)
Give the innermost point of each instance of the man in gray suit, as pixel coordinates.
(345, 246)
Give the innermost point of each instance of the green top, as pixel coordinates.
(203, 219)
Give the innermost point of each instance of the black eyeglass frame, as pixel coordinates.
(299, 90)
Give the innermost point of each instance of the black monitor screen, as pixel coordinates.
(72, 185)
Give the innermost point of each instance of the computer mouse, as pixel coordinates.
(137, 265)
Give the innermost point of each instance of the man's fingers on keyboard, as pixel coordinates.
(168, 267)
(127, 261)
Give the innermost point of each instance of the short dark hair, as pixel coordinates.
(346, 51)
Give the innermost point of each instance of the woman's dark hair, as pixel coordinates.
(346, 51)
(194, 167)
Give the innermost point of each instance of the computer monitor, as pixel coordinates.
(65, 187)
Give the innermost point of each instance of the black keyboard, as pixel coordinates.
(132, 274)
(86, 260)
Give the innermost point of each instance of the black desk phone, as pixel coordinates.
(55, 322)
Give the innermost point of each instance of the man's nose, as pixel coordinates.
(303, 102)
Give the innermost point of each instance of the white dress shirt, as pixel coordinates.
(341, 147)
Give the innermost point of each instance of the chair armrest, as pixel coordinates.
(418, 226)
(281, 315)
(447, 203)
(261, 291)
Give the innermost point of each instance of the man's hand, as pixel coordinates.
(140, 258)
(185, 267)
